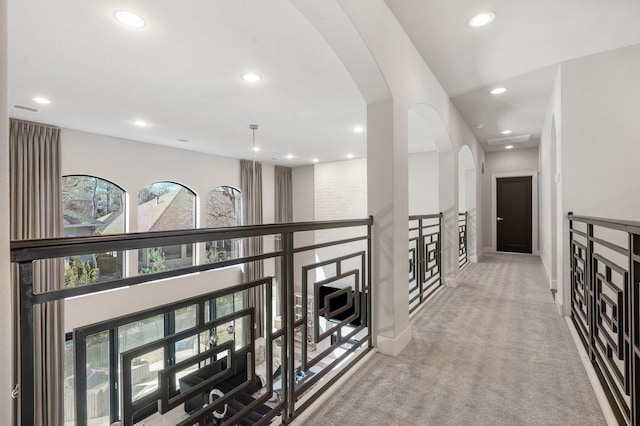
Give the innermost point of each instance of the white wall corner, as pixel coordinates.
(473, 259)
(393, 346)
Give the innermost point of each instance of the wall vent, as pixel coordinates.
(25, 108)
(509, 140)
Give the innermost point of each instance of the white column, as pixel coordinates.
(387, 200)
(448, 198)
(6, 336)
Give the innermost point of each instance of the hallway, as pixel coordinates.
(492, 351)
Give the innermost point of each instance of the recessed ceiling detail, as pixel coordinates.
(251, 78)
(509, 140)
(481, 19)
(25, 108)
(498, 90)
(129, 19)
(41, 100)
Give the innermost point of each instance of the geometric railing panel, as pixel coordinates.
(605, 305)
(201, 355)
(424, 258)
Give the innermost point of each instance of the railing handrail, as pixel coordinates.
(630, 226)
(425, 216)
(29, 250)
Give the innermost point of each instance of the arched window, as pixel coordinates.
(92, 206)
(223, 208)
(165, 206)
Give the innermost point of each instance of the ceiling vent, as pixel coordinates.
(25, 108)
(509, 140)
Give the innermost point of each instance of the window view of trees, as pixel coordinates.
(223, 208)
(92, 206)
(165, 206)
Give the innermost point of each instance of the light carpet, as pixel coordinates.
(492, 351)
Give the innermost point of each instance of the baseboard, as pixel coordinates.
(450, 281)
(593, 376)
(474, 259)
(393, 346)
(558, 306)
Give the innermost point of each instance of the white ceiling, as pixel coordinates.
(181, 73)
(519, 50)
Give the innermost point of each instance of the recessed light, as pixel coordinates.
(289, 156)
(140, 123)
(129, 19)
(41, 100)
(498, 90)
(349, 156)
(256, 149)
(250, 77)
(505, 132)
(508, 147)
(481, 19)
(358, 129)
(315, 160)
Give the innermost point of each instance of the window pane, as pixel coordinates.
(223, 209)
(165, 206)
(144, 377)
(92, 206)
(69, 384)
(98, 377)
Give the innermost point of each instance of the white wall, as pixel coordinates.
(423, 183)
(550, 140)
(102, 156)
(303, 193)
(6, 334)
(599, 148)
(473, 185)
(340, 190)
(507, 161)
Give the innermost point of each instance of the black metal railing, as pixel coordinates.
(425, 257)
(462, 239)
(605, 305)
(316, 312)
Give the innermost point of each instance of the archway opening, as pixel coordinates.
(467, 202)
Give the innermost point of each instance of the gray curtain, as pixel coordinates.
(283, 214)
(36, 212)
(283, 196)
(251, 187)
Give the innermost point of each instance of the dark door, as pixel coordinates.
(514, 214)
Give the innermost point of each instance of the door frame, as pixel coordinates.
(535, 250)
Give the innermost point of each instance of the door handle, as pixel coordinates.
(499, 219)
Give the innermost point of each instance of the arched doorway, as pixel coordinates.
(467, 199)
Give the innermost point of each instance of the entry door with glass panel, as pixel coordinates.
(514, 214)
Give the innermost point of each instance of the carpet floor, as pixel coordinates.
(492, 351)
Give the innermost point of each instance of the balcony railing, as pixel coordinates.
(425, 257)
(605, 305)
(206, 357)
(462, 239)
